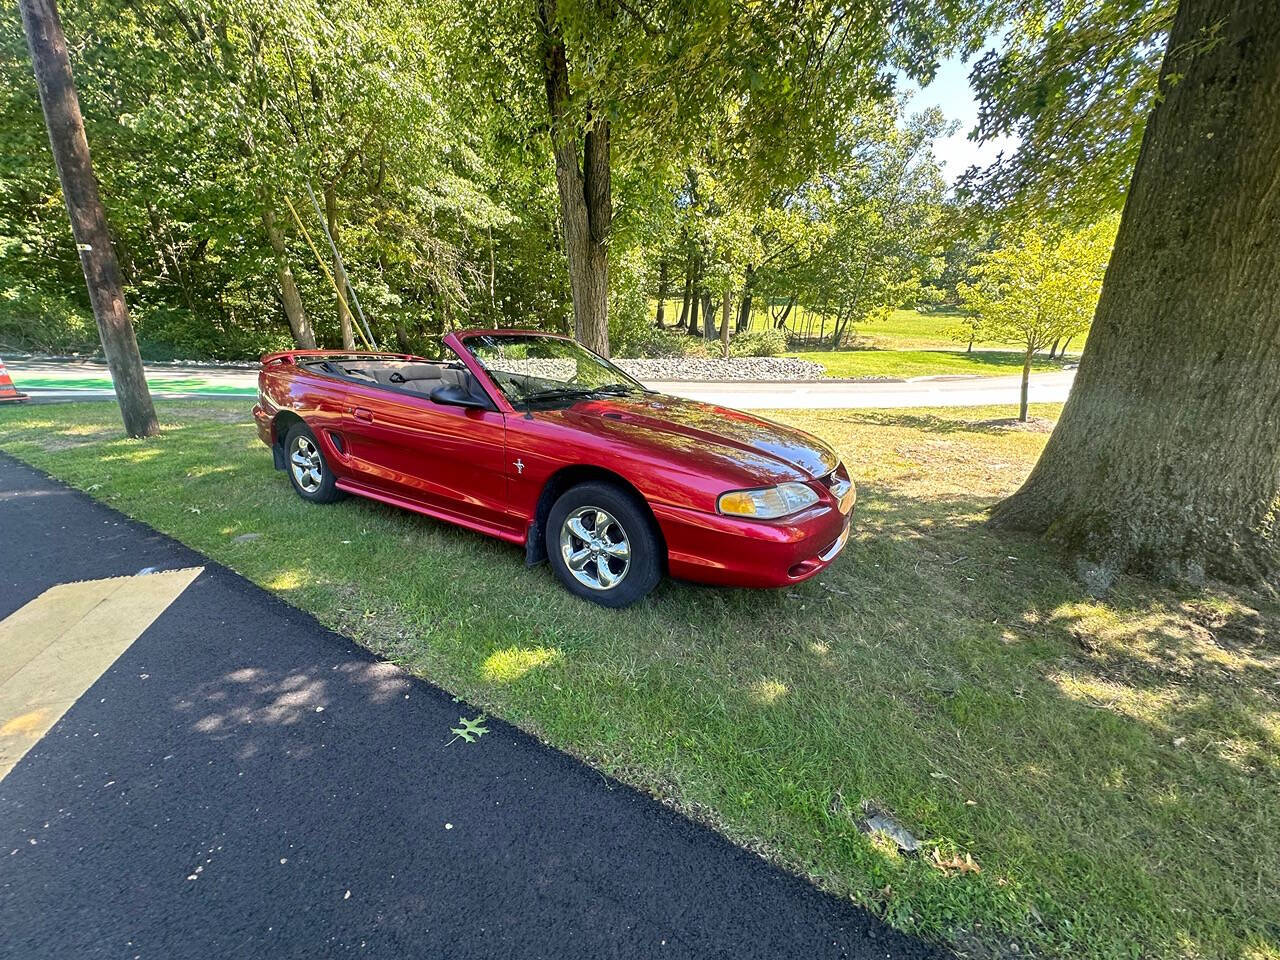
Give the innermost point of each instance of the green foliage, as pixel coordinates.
(423, 128)
(759, 343)
(34, 317)
(1075, 83)
(881, 207)
(1039, 286)
(669, 343)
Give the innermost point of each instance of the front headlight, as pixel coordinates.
(769, 502)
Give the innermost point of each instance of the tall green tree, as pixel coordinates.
(1037, 289)
(61, 106)
(882, 203)
(771, 85)
(1167, 456)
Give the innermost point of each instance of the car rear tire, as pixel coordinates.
(308, 472)
(603, 545)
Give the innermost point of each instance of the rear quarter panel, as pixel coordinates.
(318, 401)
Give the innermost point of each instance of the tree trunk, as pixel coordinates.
(1026, 383)
(1063, 352)
(493, 281)
(402, 335)
(724, 325)
(688, 292)
(660, 320)
(969, 348)
(708, 317)
(339, 272)
(744, 308)
(1167, 456)
(586, 204)
(1053, 347)
(695, 298)
(61, 107)
(299, 325)
(780, 322)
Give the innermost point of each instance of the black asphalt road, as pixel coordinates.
(348, 831)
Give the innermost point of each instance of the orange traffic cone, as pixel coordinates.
(8, 392)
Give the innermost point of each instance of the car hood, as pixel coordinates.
(708, 437)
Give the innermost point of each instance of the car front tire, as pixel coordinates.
(308, 471)
(602, 544)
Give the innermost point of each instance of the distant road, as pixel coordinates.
(832, 394)
(54, 380)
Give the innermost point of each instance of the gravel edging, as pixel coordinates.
(663, 369)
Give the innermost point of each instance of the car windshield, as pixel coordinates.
(531, 369)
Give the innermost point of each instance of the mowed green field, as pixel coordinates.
(1087, 779)
(907, 343)
(906, 364)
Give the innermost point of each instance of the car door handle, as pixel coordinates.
(363, 413)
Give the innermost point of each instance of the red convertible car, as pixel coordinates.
(532, 438)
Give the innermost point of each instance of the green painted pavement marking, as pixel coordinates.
(191, 384)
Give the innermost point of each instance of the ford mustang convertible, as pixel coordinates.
(534, 439)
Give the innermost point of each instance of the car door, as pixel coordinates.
(449, 460)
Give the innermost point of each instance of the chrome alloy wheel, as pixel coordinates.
(595, 548)
(308, 468)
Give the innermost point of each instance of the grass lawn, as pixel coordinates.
(907, 343)
(1088, 779)
(922, 363)
(901, 330)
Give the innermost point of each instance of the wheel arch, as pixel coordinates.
(572, 476)
(281, 424)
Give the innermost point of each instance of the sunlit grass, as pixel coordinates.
(906, 364)
(1112, 769)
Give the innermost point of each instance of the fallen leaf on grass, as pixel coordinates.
(955, 863)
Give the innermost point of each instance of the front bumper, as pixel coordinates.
(730, 551)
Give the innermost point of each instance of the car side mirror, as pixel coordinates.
(455, 396)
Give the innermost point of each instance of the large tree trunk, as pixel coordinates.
(586, 204)
(61, 107)
(339, 271)
(299, 325)
(1167, 457)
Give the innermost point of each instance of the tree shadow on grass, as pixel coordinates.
(947, 423)
(1148, 726)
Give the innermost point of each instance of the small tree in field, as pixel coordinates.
(1037, 289)
(968, 327)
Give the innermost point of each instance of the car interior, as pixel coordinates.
(406, 376)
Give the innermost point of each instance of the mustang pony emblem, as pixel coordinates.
(519, 465)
